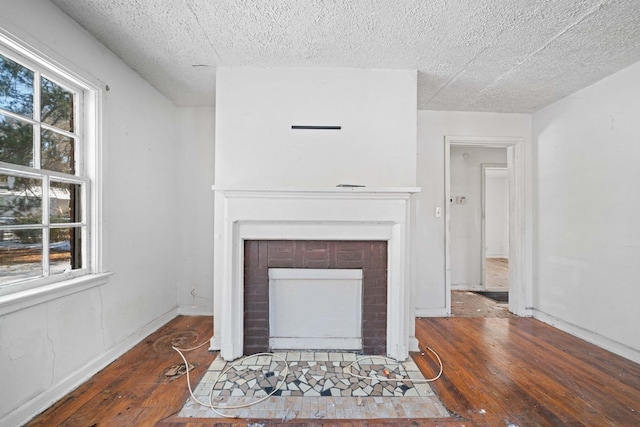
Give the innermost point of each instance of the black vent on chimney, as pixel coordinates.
(312, 127)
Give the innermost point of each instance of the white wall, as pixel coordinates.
(587, 277)
(429, 233)
(49, 348)
(255, 145)
(497, 213)
(466, 219)
(196, 130)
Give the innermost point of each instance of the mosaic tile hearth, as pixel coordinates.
(317, 385)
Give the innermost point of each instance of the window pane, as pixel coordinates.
(56, 105)
(57, 152)
(20, 255)
(16, 141)
(64, 250)
(16, 87)
(20, 200)
(64, 202)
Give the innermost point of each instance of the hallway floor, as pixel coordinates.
(496, 274)
(469, 304)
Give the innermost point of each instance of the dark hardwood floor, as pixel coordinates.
(519, 371)
(133, 390)
(498, 372)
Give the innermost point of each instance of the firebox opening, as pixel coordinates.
(315, 314)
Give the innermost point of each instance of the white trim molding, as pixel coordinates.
(432, 312)
(194, 310)
(335, 213)
(520, 238)
(91, 116)
(591, 337)
(34, 296)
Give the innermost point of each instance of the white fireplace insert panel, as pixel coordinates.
(315, 309)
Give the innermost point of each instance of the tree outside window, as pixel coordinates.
(42, 184)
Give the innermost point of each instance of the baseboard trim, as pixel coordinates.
(431, 312)
(40, 403)
(414, 345)
(589, 336)
(194, 310)
(469, 288)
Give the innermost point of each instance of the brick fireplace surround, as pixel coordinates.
(370, 256)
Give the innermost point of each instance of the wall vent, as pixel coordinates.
(314, 127)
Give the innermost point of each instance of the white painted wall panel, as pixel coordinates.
(49, 347)
(195, 200)
(255, 145)
(433, 126)
(497, 214)
(587, 151)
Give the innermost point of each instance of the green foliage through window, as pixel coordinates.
(16, 87)
(41, 186)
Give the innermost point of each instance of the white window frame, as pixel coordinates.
(21, 294)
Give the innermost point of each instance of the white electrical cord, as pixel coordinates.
(233, 365)
(347, 370)
(190, 349)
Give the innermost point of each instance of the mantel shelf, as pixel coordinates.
(365, 190)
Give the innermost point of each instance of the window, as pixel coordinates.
(46, 178)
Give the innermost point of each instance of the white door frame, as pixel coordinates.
(483, 215)
(520, 293)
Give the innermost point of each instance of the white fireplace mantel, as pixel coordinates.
(319, 213)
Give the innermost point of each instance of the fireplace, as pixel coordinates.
(369, 258)
(305, 221)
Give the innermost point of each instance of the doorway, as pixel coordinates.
(495, 230)
(518, 288)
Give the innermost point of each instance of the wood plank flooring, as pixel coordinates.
(498, 372)
(133, 390)
(519, 371)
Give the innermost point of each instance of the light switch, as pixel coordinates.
(438, 212)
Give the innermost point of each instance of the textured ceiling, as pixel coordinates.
(473, 55)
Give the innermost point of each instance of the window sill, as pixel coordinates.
(27, 298)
